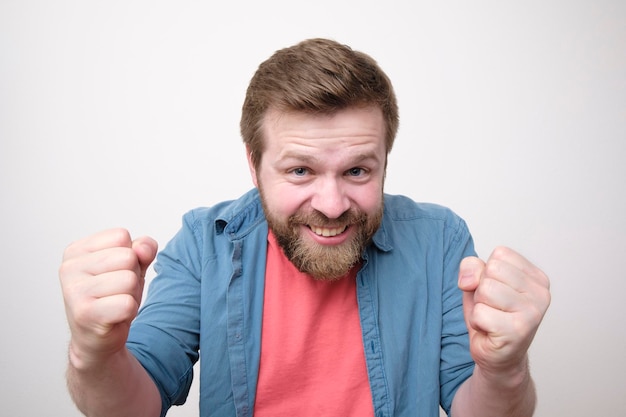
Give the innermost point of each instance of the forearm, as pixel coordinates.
(121, 387)
(486, 395)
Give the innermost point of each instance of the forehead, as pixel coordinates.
(347, 126)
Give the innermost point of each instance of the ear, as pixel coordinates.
(251, 167)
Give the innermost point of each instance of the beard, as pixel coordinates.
(323, 262)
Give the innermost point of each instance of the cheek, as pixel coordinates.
(368, 198)
(285, 201)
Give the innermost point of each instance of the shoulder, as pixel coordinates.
(208, 232)
(231, 216)
(399, 207)
(405, 218)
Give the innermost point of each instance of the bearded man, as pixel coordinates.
(314, 294)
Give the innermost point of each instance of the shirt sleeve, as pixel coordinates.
(456, 364)
(165, 335)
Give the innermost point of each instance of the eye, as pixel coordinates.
(355, 172)
(299, 172)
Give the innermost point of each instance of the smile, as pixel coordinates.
(328, 231)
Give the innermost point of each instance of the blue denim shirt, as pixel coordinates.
(206, 302)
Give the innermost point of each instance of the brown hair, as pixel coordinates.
(316, 76)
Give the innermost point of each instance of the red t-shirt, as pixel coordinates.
(312, 359)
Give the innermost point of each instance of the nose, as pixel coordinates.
(330, 198)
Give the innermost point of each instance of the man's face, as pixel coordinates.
(321, 183)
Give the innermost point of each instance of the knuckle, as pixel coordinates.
(72, 250)
(493, 268)
(81, 313)
(65, 269)
(128, 306)
(69, 273)
(120, 236)
(543, 279)
(499, 252)
(128, 282)
(479, 317)
(125, 258)
(486, 290)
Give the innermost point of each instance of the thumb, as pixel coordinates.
(146, 249)
(470, 270)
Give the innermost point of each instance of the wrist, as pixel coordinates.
(82, 361)
(504, 391)
(510, 377)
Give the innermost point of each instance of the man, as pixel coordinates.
(314, 294)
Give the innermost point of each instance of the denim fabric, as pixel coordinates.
(206, 302)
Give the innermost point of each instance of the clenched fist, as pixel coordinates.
(102, 278)
(504, 302)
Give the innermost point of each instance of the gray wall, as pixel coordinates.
(125, 113)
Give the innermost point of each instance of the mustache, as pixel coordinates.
(349, 217)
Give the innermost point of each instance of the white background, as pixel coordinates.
(125, 113)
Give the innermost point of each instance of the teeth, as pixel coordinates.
(328, 232)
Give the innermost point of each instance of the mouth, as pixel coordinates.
(327, 231)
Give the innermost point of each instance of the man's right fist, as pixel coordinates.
(102, 278)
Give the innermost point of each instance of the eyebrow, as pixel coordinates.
(298, 156)
(310, 159)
